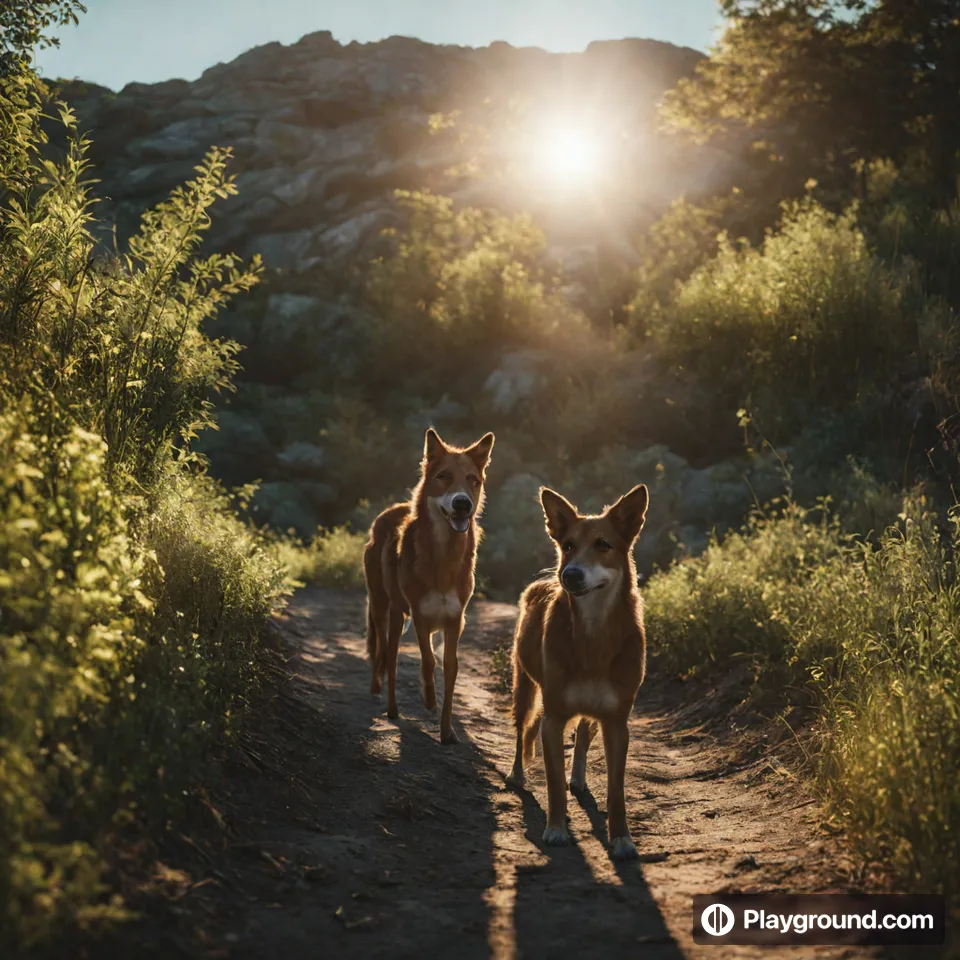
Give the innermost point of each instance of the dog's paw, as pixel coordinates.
(578, 775)
(578, 783)
(516, 780)
(449, 738)
(393, 713)
(623, 848)
(556, 836)
(429, 697)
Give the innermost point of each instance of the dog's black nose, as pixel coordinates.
(573, 579)
(462, 504)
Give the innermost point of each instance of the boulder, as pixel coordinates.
(518, 378)
(285, 506)
(445, 412)
(516, 546)
(302, 459)
(239, 450)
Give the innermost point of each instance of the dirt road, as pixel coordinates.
(340, 833)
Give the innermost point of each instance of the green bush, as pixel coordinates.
(809, 322)
(459, 283)
(867, 635)
(71, 617)
(131, 598)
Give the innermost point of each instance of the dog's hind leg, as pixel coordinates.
(377, 620)
(451, 666)
(394, 629)
(524, 721)
(428, 664)
(586, 731)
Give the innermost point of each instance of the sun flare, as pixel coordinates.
(570, 155)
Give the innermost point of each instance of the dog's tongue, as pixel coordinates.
(460, 524)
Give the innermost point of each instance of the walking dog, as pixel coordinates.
(580, 651)
(419, 562)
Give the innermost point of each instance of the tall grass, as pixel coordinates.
(869, 636)
(333, 558)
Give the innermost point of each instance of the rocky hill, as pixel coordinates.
(323, 134)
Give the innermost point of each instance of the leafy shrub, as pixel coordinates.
(131, 598)
(458, 282)
(117, 341)
(810, 321)
(71, 610)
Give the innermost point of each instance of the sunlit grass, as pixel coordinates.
(866, 636)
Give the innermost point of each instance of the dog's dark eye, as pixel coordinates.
(474, 480)
(603, 545)
(568, 546)
(444, 475)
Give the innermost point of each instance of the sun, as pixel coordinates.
(570, 155)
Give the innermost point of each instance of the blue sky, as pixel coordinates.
(151, 40)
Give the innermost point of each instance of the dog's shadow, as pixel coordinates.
(535, 821)
(625, 913)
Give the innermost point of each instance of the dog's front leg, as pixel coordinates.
(586, 731)
(428, 663)
(616, 739)
(551, 732)
(451, 641)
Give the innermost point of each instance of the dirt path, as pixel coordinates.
(344, 834)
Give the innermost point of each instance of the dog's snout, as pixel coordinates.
(462, 504)
(573, 578)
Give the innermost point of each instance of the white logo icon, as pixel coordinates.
(717, 919)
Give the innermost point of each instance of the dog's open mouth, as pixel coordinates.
(459, 522)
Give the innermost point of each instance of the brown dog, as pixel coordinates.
(419, 563)
(580, 644)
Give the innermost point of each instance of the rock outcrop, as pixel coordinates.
(323, 134)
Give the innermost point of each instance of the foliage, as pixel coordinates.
(815, 86)
(676, 244)
(810, 321)
(867, 635)
(459, 281)
(131, 598)
(116, 340)
(23, 26)
(739, 595)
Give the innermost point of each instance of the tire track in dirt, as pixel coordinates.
(368, 838)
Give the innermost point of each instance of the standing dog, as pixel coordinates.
(580, 644)
(419, 563)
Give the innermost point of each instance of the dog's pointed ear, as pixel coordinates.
(479, 453)
(433, 446)
(559, 513)
(629, 512)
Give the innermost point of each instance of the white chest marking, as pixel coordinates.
(438, 606)
(591, 697)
